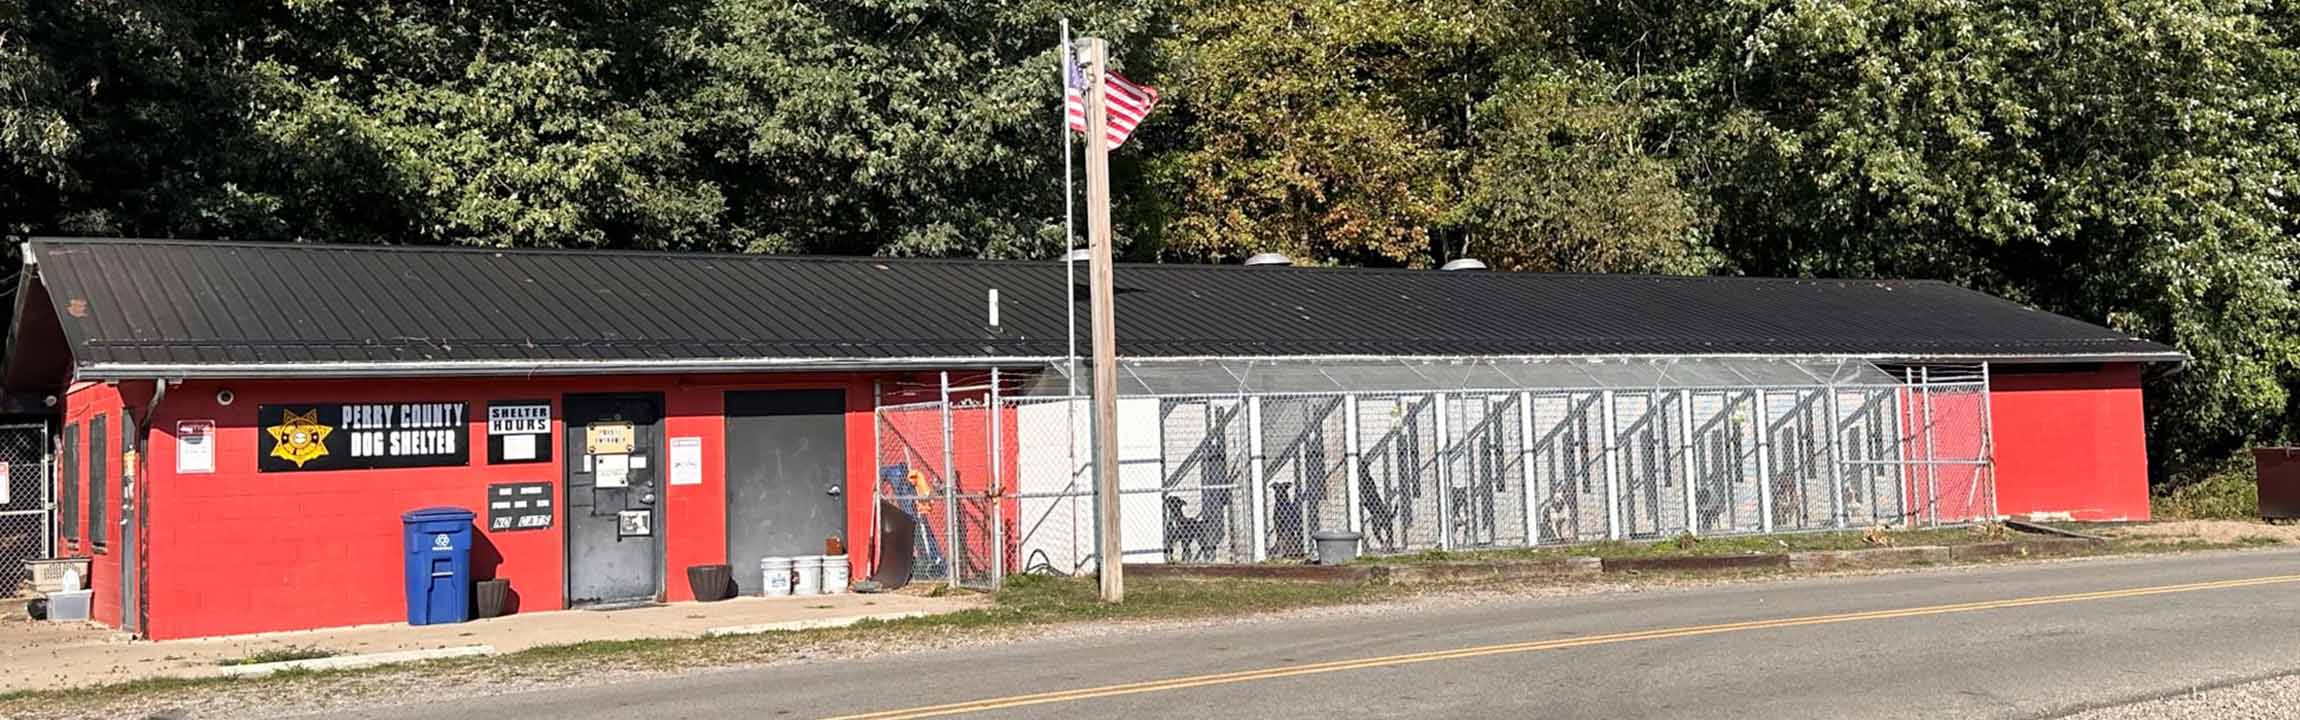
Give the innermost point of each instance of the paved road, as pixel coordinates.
(2007, 641)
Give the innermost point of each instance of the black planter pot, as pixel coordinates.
(489, 597)
(711, 583)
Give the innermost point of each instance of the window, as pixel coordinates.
(99, 462)
(68, 483)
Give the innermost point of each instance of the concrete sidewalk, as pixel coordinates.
(44, 656)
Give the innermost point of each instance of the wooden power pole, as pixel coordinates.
(1112, 562)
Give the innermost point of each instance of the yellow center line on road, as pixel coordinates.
(1273, 673)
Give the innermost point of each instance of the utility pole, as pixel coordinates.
(1112, 561)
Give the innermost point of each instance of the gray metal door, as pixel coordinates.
(786, 456)
(614, 517)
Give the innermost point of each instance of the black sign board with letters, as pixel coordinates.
(518, 431)
(357, 436)
(519, 506)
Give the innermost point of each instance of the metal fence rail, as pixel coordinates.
(1000, 483)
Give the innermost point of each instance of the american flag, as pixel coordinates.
(1127, 102)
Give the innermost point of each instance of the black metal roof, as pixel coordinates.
(169, 308)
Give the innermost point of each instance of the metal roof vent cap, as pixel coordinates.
(1463, 264)
(1269, 258)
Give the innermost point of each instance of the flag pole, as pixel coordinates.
(1112, 561)
(1069, 223)
(1069, 71)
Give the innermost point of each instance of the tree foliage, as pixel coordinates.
(2131, 163)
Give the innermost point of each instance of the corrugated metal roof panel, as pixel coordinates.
(150, 303)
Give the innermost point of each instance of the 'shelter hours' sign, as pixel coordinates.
(354, 436)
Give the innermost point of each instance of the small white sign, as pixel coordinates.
(518, 447)
(611, 471)
(4, 477)
(195, 446)
(686, 461)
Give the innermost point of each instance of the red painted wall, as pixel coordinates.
(2071, 443)
(82, 403)
(240, 551)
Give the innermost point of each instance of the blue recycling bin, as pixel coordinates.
(438, 544)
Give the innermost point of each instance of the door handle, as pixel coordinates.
(832, 490)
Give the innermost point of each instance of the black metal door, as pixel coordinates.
(614, 509)
(786, 460)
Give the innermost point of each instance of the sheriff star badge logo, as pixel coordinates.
(299, 438)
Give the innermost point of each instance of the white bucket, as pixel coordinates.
(835, 570)
(808, 569)
(777, 573)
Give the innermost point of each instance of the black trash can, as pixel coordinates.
(711, 583)
(489, 597)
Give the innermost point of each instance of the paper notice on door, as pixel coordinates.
(518, 447)
(686, 461)
(611, 471)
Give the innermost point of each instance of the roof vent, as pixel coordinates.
(1269, 258)
(1463, 264)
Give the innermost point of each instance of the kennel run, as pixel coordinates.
(1233, 461)
(238, 426)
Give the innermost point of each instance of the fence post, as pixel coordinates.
(1612, 473)
(1836, 464)
(1443, 476)
(950, 549)
(1932, 479)
(1350, 460)
(997, 495)
(1685, 459)
(1525, 465)
(1257, 484)
(1988, 452)
(1764, 420)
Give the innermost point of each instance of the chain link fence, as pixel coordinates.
(1001, 481)
(27, 528)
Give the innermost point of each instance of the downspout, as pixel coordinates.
(128, 496)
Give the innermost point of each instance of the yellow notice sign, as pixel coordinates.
(608, 438)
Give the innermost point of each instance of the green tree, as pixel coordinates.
(2127, 163)
(913, 127)
(1313, 128)
(1561, 178)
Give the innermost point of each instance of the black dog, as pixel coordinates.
(1381, 515)
(1192, 538)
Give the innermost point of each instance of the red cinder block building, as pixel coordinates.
(241, 425)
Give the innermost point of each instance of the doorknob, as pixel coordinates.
(832, 489)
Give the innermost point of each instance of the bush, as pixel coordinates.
(2230, 494)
